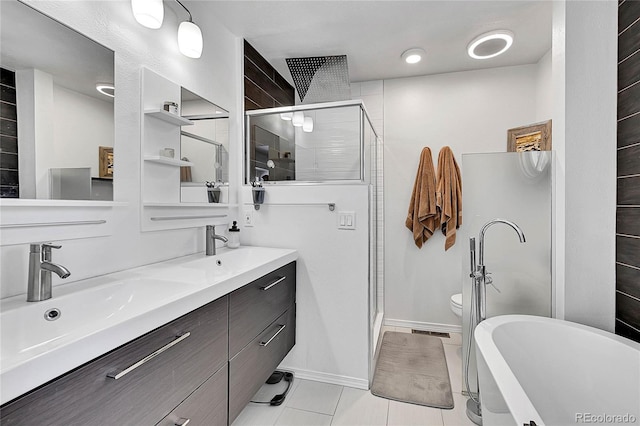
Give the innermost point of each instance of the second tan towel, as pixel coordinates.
(449, 195)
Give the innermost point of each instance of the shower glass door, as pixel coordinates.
(516, 187)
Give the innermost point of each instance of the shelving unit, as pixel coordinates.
(168, 117)
(167, 161)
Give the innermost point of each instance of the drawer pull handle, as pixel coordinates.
(182, 422)
(117, 375)
(282, 327)
(278, 281)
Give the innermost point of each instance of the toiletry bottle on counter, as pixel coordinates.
(234, 236)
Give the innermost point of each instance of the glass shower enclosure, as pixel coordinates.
(516, 186)
(318, 144)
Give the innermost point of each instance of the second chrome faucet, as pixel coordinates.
(211, 237)
(40, 269)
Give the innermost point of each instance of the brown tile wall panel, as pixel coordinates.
(261, 63)
(628, 220)
(7, 94)
(261, 80)
(250, 105)
(628, 41)
(257, 95)
(629, 101)
(628, 13)
(7, 77)
(8, 111)
(628, 250)
(628, 309)
(8, 127)
(629, 191)
(627, 280)
(626, 331)
(9, 161)
(629, 131)
(629, 161)
(8, 144)
(629, 71)
(264, 87)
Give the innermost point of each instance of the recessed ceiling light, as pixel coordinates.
(490, 45)
(106, 89)
(413, 56)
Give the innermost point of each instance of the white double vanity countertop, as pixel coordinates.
(99, 314)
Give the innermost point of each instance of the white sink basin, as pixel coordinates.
(97, 315)
(29, 332)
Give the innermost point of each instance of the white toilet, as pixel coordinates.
(456, 304)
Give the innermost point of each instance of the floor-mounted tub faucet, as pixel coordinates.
(211, 237)
(40, 269)
(481, 279)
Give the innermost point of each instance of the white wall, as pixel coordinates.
(590, 90)
(215, 76)
(470, 112)
(544, 88)
(332, 288)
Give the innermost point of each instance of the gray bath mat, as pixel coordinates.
(412, 368)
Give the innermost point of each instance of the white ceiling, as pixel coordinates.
(373, 34)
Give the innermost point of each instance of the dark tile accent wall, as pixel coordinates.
(9, 185)
(264, 87)
(628, 192)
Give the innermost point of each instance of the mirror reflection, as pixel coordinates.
(205, 144)
(57, 127)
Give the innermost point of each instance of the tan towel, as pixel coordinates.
(422, 218)
(449, 195)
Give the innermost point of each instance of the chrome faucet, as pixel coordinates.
(40, 269)
(211, 237)
(479, 273)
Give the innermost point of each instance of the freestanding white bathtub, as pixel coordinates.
(556, 373)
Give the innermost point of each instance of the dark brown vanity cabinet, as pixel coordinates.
(181, 371)
(262, 319)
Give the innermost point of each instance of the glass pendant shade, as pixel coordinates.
(148, 13)
(298, 118)
(307, 126)
(190, 39)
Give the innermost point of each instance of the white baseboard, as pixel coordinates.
(423, 326)
(334, 379)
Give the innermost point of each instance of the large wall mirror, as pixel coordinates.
(205, 144)
(57, 127)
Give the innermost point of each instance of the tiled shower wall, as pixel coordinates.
(264, 87)
(8, 136)
(628, 209)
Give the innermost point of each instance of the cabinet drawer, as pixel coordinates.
(256, 305)
(206, 406)
(144, 395)
(249, 369)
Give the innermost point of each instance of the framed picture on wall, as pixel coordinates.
(105, 161)
(533, 137)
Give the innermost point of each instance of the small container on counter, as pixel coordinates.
(171, 107)
(234, 236)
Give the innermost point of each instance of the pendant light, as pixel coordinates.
(189, 37)
(148, 13)
(298, 118)
(307, 126)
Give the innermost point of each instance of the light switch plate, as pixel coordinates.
(248, 217)
(346, 220)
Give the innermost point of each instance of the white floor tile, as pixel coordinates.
(403, 414)
(258, 415)
(403, 329)
(315, 396)
(386, 328)
(453, 353)
(454, 339)
(360, 407)
(457, 416)
(294, 417)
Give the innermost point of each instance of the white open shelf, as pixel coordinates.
(168, 117)
(167, 161)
